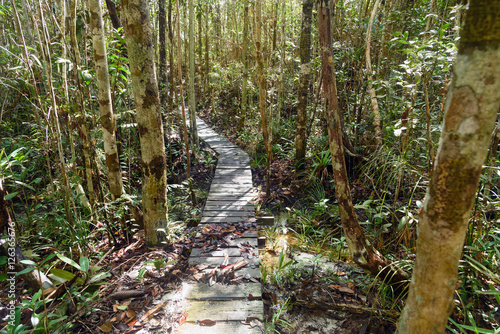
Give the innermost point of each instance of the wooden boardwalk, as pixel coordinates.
(234, 308)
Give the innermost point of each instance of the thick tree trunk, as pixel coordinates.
(304, 75)
(138, 34)
(471, 108)
(361, 250)
(105, 104)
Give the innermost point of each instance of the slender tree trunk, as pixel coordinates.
(471, 109)
(207, 50)
(108, 121)
(139, 39)
(282, 87)
(262, 92)
(44, 43)
(492, 158)
(162, 76)
(363, 253)
(371, 89)
(171, 60)
(200, 56)
(115, 19)
(304, 75)
(181, 93)
(191, 97)
(244, 83)
(430, 16)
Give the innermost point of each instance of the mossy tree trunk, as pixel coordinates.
(139, 37)
(108, 121)
(471, 108)
(363, 253)
(304, 75)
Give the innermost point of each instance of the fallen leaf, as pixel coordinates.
(208, 322)
(345, 290)
(183, 318)
(106, 327)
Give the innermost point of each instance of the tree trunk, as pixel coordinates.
(262, 92)
(191, 97)
(162, 31)
(471, 108)
(207, 56)
(200, 55)
(108, 121)
(244, 80)
(138, 35)
(304, 75)
(371, 89)
(115, 19)
(361, 250)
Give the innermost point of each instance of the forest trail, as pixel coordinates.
(228, 212)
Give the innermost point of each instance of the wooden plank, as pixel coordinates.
(219, 328)
(229, 208)
(231, 310)
(247, 271)
(222, 213)
(233, 167)
(205, 220)
(233, 188)
(200, 291)
(213, 262)
(246, 234)
(246, 197)
(228, 203)
(232, 252)
(236, 171)
(243, 242)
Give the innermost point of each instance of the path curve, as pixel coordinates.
(233, 308)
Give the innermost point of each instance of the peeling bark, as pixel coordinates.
(304, 76)
(363, 253)
(470, 112)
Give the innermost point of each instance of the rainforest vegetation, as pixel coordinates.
(372, 129)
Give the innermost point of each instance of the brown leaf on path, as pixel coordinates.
(207, 322)
(106, 327)
(345, 290)
(183, 318)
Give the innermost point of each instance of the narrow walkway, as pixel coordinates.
(217, 308)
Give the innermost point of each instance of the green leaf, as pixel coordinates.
(65, 275)
(98, 277)
(25, 271)
(84, 264)
(122, 307)
(3, 277)
(68, 261)
(49, 257)
(3, 260)
(28, 262)
(141, 274)
(11, 195)
(37, 180)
